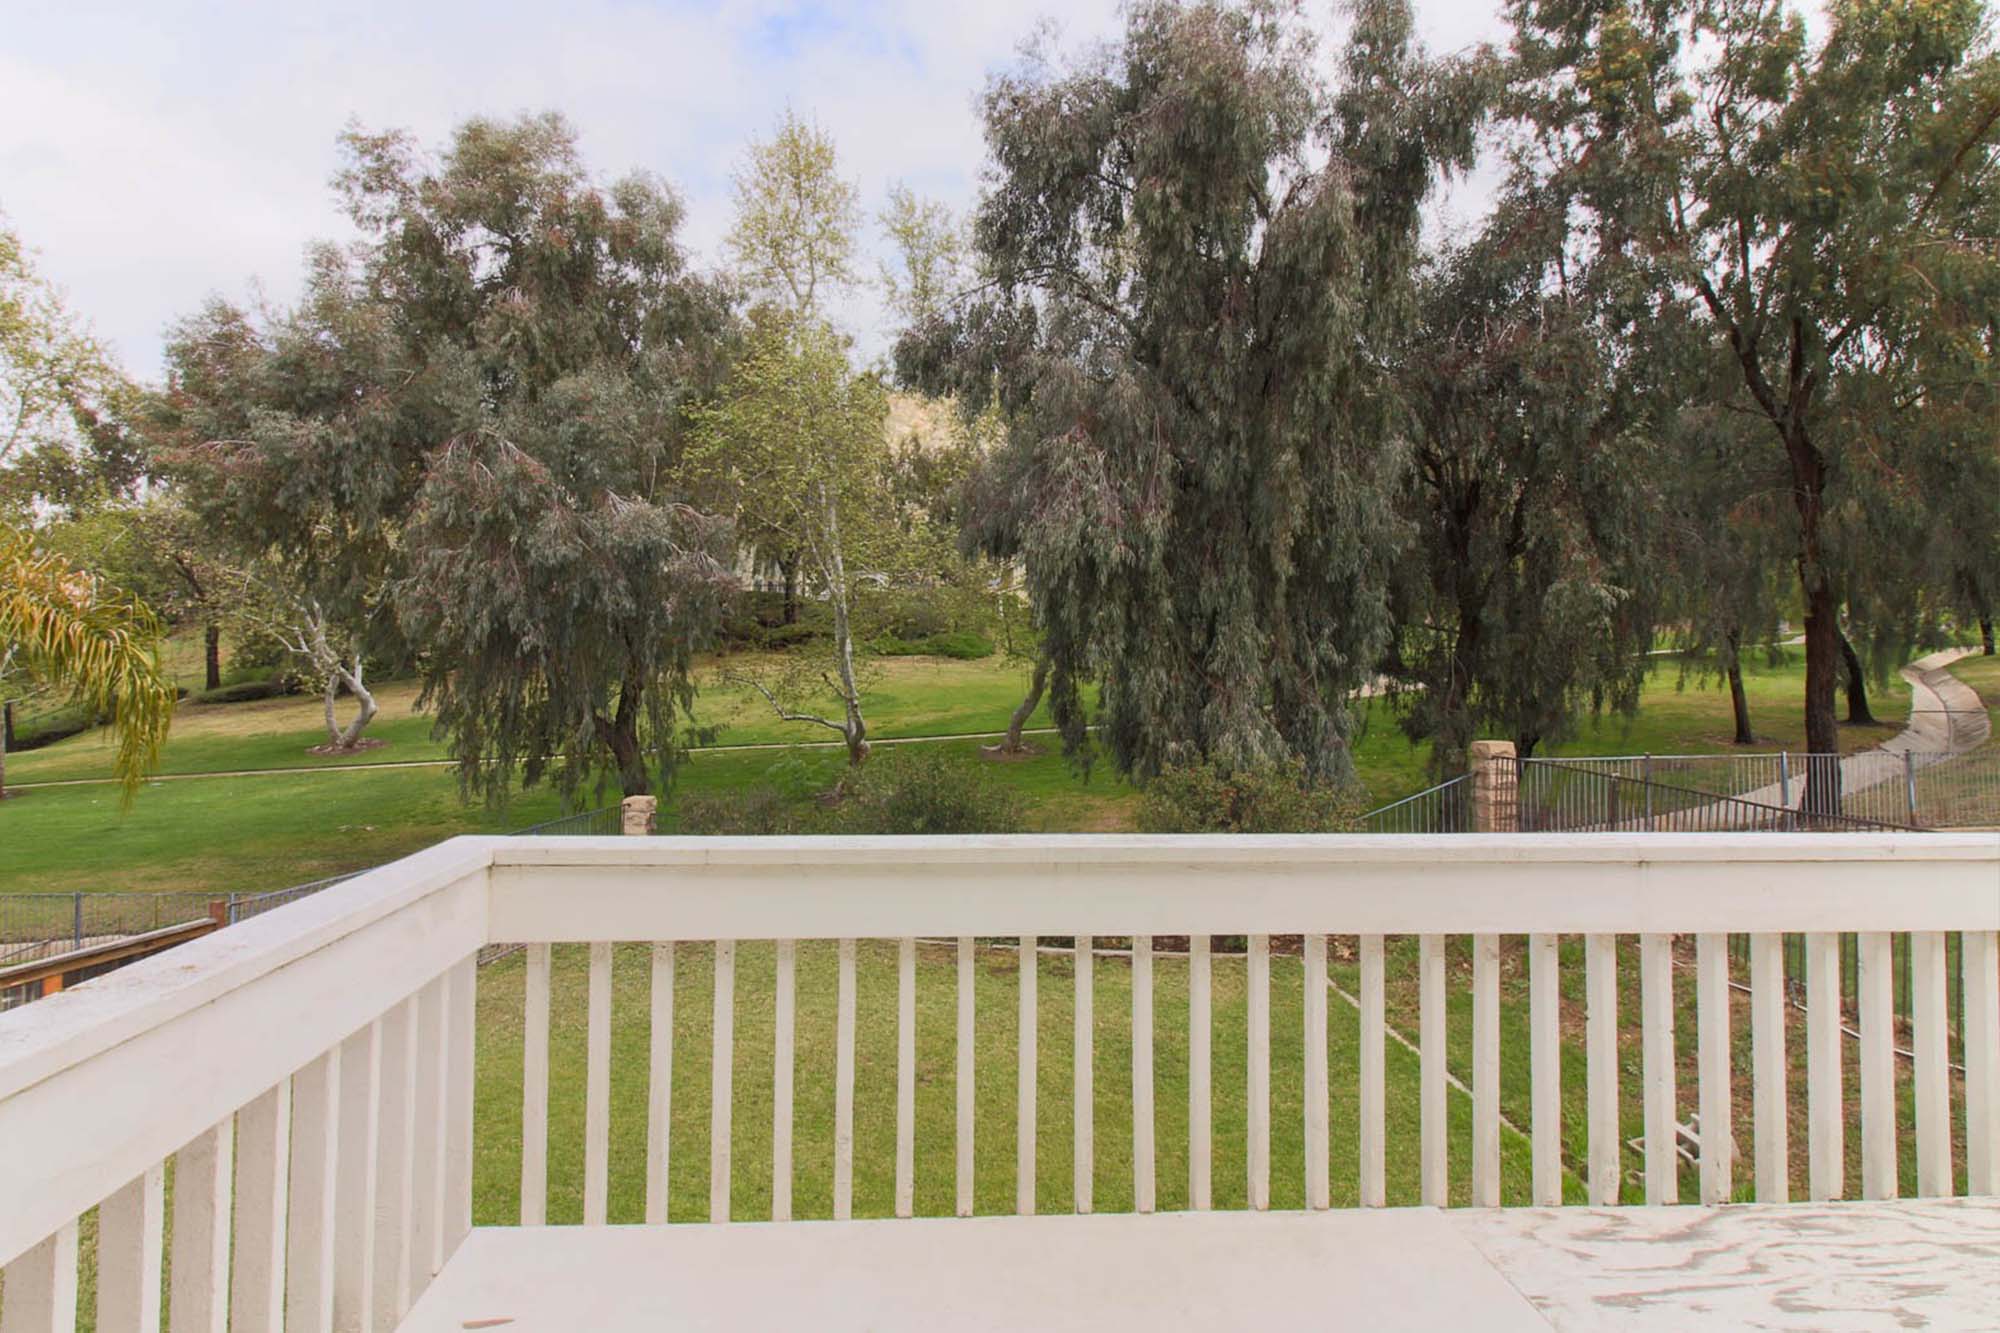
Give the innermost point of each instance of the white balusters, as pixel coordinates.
(783, 1064)
(1201, 1171)
(392, 1187)
(1374, 1081)
(41, 1287)
(1024, 1086)
(1143, 1178)
(310, 1224)
(263, 1164)
(722, 1082)
(1656, 1017)
(1431, 1069)
(660, 1074)
(1712, 1037)
(597, 1087)
(354, 1202)
(1257, 1008)
(1084, 1099)
(1927, 1022)
(198, 1297)
(1486, 1071)
(1878, 1067)
(534, 1090)
(1826, 1147)
(1545, 1068)
(463, 1022)
(427, 1157)
(1982, 1061)
(1767, 1086)
(1600, 962)
(962, 1132)
(906, 1076)
(843, 1087)
(131, 1225)
(1318, 1187)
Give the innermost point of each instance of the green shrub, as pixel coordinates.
(246, 691)
(58, 724)
(1205, 798)
(757, 812)
(921, 789)
(963, 645)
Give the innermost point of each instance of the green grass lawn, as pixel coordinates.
(496, 1190)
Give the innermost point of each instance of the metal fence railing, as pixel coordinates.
(1592, 796)
(606, 822)
(1445, 808)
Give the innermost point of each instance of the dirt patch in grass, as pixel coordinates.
(365, 743)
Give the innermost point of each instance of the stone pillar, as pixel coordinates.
(638, 815)
(1495, 783)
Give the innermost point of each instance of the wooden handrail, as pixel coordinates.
(130, 948)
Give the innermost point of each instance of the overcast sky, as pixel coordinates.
(159, 151)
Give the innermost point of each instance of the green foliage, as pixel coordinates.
(34, 730)
(1284, 797)
(962, 645)
(249, 691)
(793, 239)
(921, 789)
(1199, 248)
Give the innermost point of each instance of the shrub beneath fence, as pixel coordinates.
(904, 790)
(1206, 798)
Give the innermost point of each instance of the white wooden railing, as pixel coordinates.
(310, 1074)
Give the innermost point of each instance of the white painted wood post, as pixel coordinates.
(1656, 1004)
(1545, 1068)
(131, 1225)
(783, 1070)
(393, 1195)
(1024, 1085)
(1084, 1085)
(463, 984)
(1600, 980)
(354, 1199)
(263, 1168)
(1201, 1168)
(597, 1084)
(311, 1219)
(906, 1076)
(660, 1078)
(1258, 1010)
(1436, 1188)
(1933, 1091)
(722, 1083)
(1143, 1178)
(41, 1287)
(843, 1087)
(427, 1157)
(1878, 1067)
(1374, 1081)
(1713, 1041)
(1486, 1071)
(963, 1125)
(1770, 1106)
(535, 1088)
(1982, 1061)
(1826, 1145)
(1318, 1186)
(198, 1296)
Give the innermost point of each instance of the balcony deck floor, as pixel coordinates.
(1933, 1264)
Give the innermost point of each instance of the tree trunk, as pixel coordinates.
(1986, 634)
(790, 569)
(7, 724)
(212, 656)
(350, 736)
(1525, 743)
(1026, 708)
(855, 728)
(332, 693)
(6, 740)
(1739, 703)
(1858, 713)
(1822, 793)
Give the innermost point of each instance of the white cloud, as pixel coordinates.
(158, 153)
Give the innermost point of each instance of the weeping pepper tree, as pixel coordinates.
(1193, 245)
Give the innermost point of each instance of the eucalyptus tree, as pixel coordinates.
(1816, 208)
(1533, 486)
(1195, 245)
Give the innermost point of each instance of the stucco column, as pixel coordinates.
(639, 812)
(1495, 780)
